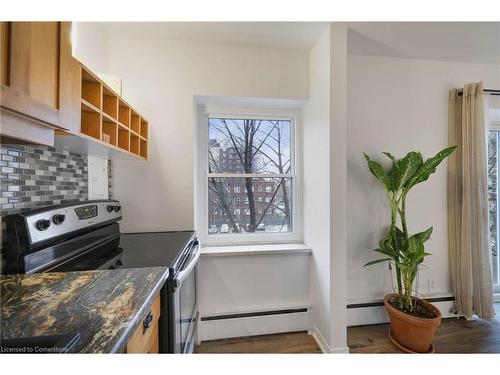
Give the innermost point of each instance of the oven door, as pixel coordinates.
(185, 304)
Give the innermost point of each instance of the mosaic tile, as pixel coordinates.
(37, 176)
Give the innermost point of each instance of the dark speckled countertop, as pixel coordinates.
(105, 307)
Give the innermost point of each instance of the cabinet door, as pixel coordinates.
(146, 337)
(39, 76)
(70, 83)
(4, 53)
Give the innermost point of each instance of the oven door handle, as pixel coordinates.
(182, 275)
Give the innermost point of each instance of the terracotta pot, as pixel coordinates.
(413, 333)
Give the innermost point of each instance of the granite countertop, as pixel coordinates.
(105, 307)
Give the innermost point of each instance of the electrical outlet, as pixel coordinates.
(97, 177)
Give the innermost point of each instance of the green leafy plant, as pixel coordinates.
(400, 248)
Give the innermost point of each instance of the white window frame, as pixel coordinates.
(494, 125)
(201, 176)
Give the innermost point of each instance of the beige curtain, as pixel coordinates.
(468, 232)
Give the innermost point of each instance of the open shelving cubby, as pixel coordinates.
(144, 149)
(109, 129)
(91, 89)
(144, 138)
(123, 138)
(144, 128)
(134, 144)
(124, 113)
(135, 122)
(110, 103)
(90, 122)
(108, 122)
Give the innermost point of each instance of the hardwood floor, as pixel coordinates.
(283, 343)
(453, 336)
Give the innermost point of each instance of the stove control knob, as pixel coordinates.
(110, 208)
(58, 219)
(42, 224)
(117, 208)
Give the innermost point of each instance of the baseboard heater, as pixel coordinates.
(381, 303)
(252, 314)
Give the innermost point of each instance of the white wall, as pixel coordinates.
(338, 189)
(90, 45)
(249, 283)
(316, 184)
(399, 105)
(160, 78)
(393, 105)
(324, 194)
(494, 101)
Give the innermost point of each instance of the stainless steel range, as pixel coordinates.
(86, 236)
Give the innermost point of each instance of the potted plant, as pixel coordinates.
(413, 321)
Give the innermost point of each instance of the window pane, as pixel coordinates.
(493, 201)
(237, 205)
(249, 146)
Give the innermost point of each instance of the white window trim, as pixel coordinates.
(201, 175)
(494, 125)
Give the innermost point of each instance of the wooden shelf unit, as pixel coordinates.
(135, 122)
(91, 89)
(144, 149)
(109, 129)
(134, 144)
(124, 114)
(90, 121)
(123, 138)
(144, 128)
(110, 103)
(109, 119)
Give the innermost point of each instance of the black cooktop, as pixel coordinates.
(154, 249)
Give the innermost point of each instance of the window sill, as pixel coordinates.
(245, 250)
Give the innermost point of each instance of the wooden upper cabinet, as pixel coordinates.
(4, 53)
(48, 97)
(39, 77)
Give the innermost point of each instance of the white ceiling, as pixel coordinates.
(290, 35)
(477, 42)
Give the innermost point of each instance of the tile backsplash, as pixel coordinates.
(37, 176)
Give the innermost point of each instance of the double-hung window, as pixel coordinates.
(247, 164)
(493, 191)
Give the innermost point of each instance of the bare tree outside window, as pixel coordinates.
(493, 140)
(250, 170)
